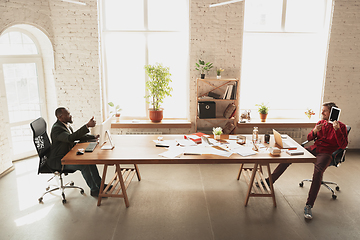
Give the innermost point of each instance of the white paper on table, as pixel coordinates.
(172, 152)
(165, 143)
(192, 150)
(244, 151)
(186, 142)
(232, 137)
(211, 150)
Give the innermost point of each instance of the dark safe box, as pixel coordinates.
(207, 110)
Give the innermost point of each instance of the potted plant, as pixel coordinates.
(116, 110)
(218, 73)
(157, 87)
(263, 111)
(217, 132)
(202, 67)
(309, 113)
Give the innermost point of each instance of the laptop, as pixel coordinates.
(106, 146)
(284, 144)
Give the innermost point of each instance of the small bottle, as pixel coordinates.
(255, 135)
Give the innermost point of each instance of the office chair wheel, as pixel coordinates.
(334, 196)
(301, 184)
(40, 200)
(63, 198)
(82, 191)
(337, 188)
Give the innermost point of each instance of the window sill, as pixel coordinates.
(279, 123)
(149, 124)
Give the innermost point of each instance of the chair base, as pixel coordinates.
(326, 184)
(60, 186)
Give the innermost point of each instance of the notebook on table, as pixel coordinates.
(284, 144)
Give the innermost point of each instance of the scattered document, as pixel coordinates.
(172, 152)
(165, 143)
(244, 151)
(185, 142)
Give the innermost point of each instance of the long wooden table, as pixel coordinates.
(141, 149)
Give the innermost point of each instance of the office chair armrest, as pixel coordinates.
(338, 156)
(304, 143)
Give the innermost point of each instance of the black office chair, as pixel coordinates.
(43, 147)
(337, 158)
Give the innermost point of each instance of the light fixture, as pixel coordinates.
(224, 3)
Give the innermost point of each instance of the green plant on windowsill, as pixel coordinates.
(157, 87)
(263, 111)
(262, 108)
(116, 109)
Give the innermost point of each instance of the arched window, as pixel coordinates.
(22, 84)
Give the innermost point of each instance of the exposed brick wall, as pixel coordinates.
(73, 31)
(76, 46)
(342, 84)
(215, 36)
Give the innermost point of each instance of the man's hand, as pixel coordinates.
(336, 125)
(91, 123)
(317, 128)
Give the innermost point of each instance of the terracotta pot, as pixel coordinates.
(156, 115)
(263, 117)
(117, 115)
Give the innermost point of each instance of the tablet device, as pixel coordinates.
(334, 114)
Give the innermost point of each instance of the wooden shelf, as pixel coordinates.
(218, 86)
(215, 100)
(217, 118)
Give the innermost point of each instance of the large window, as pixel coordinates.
(284, 56)
(140, 32)
(21, 81)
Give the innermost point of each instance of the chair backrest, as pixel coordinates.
(339, 155)
(42, 144)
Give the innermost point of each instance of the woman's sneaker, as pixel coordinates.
(307, 212)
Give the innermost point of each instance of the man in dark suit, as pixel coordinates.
(63, 139)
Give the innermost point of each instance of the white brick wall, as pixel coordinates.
(76, 49)
(215, 35)
(342, 84)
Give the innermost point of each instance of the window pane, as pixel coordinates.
(291, 77)
(125, 58)
(22, 139)
(22, 91)
(167, 14)
(263, 15)
(169, 50)
(16, 43)
(124, 14)
(127, 52)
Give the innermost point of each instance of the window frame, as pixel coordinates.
(326, 26)
(146, 32)
(27, 58)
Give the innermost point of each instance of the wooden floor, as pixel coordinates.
(182, 202)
